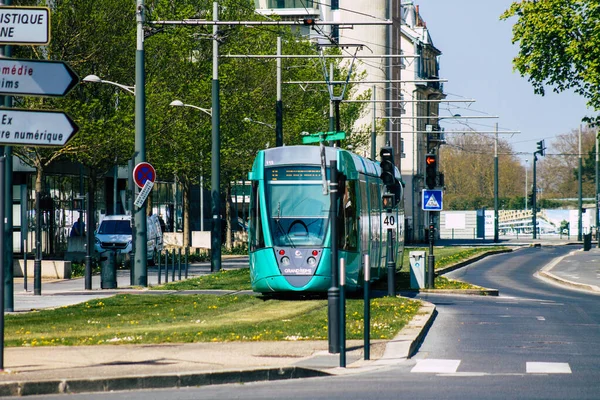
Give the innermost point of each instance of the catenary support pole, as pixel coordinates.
(140, 265)
(597, 191)
(496, 187)
(580, 206)
(215, 250)
(534, 197)
(279, 104)
(374, 125)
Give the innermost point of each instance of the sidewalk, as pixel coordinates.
(579, 269)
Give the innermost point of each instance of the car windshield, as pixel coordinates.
(116, 227)
(298, 213)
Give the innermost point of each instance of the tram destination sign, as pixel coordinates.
(36, 77)
(24, 25)
(37, 128)
(295, 173)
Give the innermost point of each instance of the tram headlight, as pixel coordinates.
(311, 261)
(285, 260)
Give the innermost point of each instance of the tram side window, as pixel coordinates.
(348, 219)
(257, 239)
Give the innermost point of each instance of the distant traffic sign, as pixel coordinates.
(143, 172)
(35, 127)
(36, 77)
(25, 25)
(432, 200)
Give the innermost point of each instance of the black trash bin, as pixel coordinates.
(108, 270)
(587, 242)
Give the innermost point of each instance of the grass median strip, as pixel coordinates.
(151, 319)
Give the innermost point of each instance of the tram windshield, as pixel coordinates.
(298, 213)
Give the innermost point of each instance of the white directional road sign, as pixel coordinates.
(36, 77)
(24, 25)
(432, 200)
(35, 128)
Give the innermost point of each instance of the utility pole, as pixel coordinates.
(541, 150)
(279, 103)
(215, 242)
(597, 190)
(496, 187)
(139, 269)
(580, 216)
(374, 125)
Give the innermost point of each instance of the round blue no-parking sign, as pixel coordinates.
(143, 172)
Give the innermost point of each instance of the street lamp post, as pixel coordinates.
(139, 269)
(179, 103)
(258, 122)
(526, 168)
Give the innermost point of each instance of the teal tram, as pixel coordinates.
(289, 229)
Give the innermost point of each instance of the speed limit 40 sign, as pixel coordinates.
(389, 220)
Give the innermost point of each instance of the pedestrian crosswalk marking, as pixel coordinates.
(548, 368)
(450, 367)
(436, 366)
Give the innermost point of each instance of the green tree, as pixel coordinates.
(559, 45)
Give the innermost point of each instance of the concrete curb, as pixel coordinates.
(476, 292)
(545, 273)
(65, 386)
(464, 263)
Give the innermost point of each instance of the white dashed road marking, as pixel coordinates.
(436, 366)
(548, 368)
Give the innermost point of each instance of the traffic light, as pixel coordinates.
(541, 150)
(308, 21)
(387, 166)
(430, 170)
(530, 199)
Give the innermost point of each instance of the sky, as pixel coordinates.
(477, 53)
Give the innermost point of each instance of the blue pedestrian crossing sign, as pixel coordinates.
(432, 200)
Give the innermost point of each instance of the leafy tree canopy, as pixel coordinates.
(559, 45)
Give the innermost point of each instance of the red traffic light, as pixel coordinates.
(308, 21)
(430, 159)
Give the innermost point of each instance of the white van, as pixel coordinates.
(115, 233)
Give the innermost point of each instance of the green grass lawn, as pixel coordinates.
(151, 319)
(239, 279)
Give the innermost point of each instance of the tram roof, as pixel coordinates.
(349, 163)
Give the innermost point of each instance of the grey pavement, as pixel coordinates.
(45, 370)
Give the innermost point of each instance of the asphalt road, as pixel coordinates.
(535, 341)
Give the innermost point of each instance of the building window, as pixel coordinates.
(290, 4)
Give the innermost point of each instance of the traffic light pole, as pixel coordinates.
(534, 198)
(431, 258)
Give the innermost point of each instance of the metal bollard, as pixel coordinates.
(159, 268)
(173, 276)
(166, 266)
(179, 263)
(187, 251)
